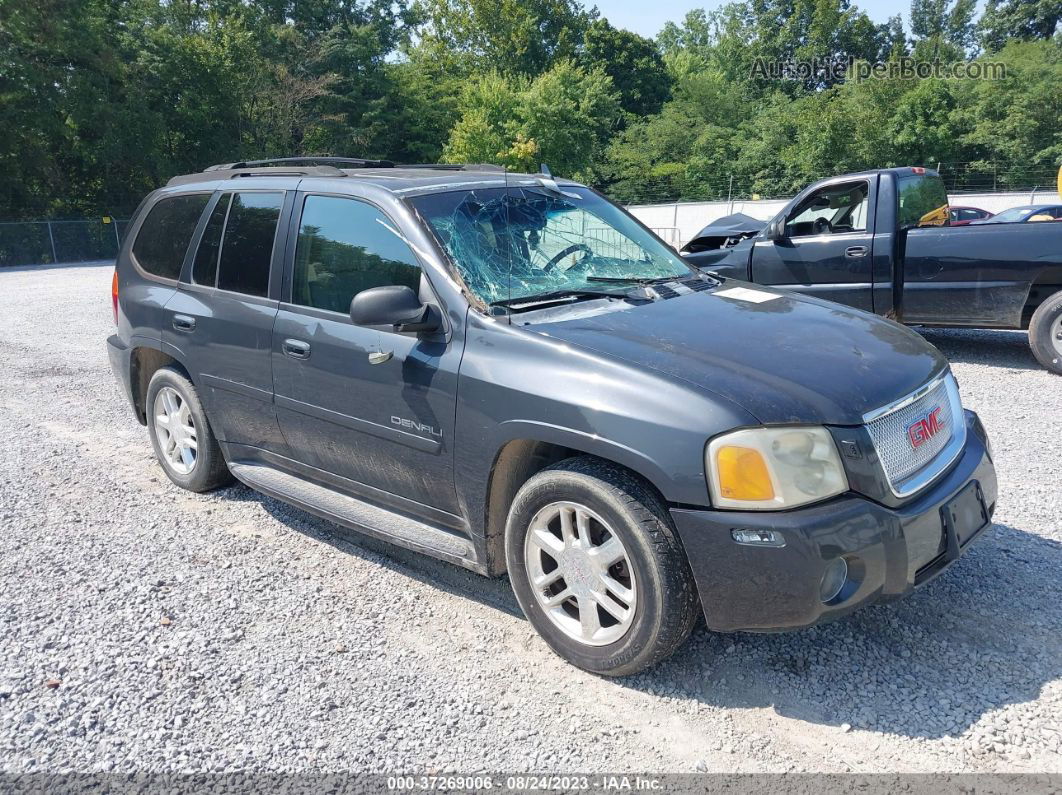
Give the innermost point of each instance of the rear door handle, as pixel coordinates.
(184, 323)
(856, 251)
(297, 349)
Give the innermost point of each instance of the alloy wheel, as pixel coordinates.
(176, 431)
(580, 573)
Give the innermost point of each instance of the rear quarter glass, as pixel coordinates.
(163, 238)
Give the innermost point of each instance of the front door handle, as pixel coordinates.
(856, 251)
(297, 349)
(379, 357)
(184, 323)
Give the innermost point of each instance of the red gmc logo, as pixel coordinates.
(922, 430)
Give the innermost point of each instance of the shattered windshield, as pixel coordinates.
(520, 242)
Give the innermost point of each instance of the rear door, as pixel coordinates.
(374, 408)
(827, 250)
(220, 321)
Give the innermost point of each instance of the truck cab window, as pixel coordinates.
(923, 201)
(835, 209)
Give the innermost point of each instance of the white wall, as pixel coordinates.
(678, 222)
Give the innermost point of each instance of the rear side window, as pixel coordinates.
(247, 244)
(163, 238)
(205, 268)
(346, 246)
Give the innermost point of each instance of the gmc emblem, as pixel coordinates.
(922, 430)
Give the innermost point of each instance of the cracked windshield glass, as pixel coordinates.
(517, 243)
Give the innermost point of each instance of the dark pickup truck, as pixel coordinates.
(880, 241)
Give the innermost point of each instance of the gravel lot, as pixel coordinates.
(143, 628)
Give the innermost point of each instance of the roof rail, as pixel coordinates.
(209, 176)
(335, 162)
(453, 166)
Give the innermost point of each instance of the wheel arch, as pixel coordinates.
(1047, 283)
(520, 459)
(144, 362)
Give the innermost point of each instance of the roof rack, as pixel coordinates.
(335, 162)
(323, 166)
(216, 172)
(453, 166)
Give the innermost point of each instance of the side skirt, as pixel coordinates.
(356, 514)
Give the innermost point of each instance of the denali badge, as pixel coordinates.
(922, 430)
(415, 426)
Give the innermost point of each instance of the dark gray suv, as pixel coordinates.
(510, 373)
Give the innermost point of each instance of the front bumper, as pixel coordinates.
(890, 551)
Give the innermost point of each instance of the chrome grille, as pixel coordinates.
(889, 430)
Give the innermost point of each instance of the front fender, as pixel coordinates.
(588, 443)
(517, 384)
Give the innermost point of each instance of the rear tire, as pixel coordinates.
(182, 437)
(1045, 333)
(631, 603)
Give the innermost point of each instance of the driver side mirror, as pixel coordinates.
(776, 230)
(393, 308)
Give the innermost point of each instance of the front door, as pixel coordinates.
(373, 407)
(827, 250)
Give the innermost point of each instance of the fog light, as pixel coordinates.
(833, 579)
(758, 538)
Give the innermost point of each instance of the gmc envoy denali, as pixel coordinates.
(509, 372)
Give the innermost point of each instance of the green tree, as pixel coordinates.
(633, 62)
(1012, 126)
(1018, 19)
(947, 25)
(489, 122)
(737, 36)
(523, 37)
(562, 117)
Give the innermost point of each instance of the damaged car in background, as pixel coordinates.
(713, 242)
(510, 373)
(881, 241)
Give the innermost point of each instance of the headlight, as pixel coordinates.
(767, 469)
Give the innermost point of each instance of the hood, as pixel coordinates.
(720, 230)
(737, 223)
(788, 359)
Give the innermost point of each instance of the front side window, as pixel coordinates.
(247, 244)
(346, 246)
(511, 243)
(832, 210)
(163, 238)
(923, 201)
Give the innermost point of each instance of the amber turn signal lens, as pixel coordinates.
(743, 474)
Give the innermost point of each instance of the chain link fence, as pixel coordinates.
(48, 242)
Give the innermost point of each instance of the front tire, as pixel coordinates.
(598, 569)
(1045, 333)
(180, 434)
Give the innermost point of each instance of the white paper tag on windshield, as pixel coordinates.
(746, 294)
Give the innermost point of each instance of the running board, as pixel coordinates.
(357, 515)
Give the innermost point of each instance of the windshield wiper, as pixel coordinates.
(643, 280)
(556, 295)
(637, 279)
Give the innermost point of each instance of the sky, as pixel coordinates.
(647, 18)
